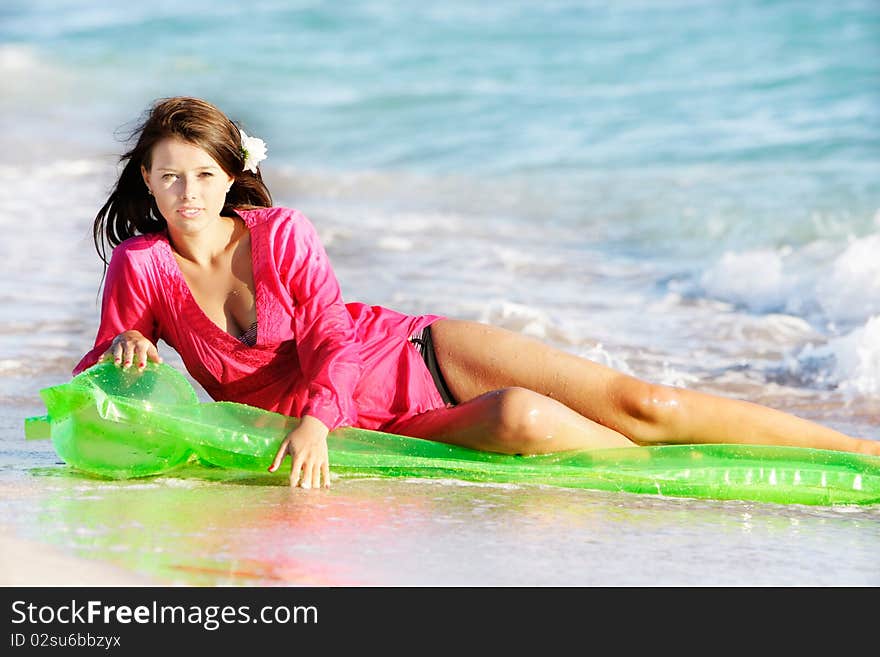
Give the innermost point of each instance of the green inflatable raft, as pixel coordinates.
(122, 424)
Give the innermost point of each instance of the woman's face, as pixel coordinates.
(188, 185)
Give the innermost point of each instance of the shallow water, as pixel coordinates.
(687, 191)
(439, 533)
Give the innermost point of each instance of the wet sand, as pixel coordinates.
(29, 563)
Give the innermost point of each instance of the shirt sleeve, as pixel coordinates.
(125, 305)
(326, 337)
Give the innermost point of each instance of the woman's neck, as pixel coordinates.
(207, 245)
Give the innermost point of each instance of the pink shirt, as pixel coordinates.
(345, 364)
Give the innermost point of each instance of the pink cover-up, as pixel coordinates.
(345, 364)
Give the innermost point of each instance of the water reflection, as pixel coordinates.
(257, 531)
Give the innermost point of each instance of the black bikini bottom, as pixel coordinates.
(425, 344)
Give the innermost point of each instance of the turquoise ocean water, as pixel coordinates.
(686, 190)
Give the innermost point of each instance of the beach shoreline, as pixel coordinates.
(31, 563)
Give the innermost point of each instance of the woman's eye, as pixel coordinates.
(207, 174)
(169, 176)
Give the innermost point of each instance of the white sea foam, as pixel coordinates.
(27, 180)
(520, 260)
(853, 360)
(673, 376)
(15, 59)
(10, 365)
(844, 288)
(395, 243)
(754, 279)
(597, 353)
(71, 168)
(29, 77)
(851, 290)
(523, 319)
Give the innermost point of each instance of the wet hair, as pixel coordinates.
(130, 209)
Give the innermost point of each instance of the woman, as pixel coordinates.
(245, 293)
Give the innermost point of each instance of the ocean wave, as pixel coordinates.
(837, 284)
(32, 82)
(46, 170)
(850, 289)
(849, 363)
(17, 60)
(752, 278)
(395, 243)
(525, 319)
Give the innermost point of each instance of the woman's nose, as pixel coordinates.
(188, 190)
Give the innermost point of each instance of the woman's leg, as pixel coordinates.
(477, 358)
(512, 421)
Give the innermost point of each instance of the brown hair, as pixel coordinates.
(130, 210)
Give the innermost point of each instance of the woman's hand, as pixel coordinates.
(307, 446)
(131, 346)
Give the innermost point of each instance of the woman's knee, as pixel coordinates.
(518, 423)
(650, 412)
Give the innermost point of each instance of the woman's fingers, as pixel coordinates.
(153, 353)
(310, 478)
(131, 347)
(318, 478)
(128, 354)
(309, 460)
(142, 353)
(303, 473)
(296, 472)
(117, 353)
(279, 455)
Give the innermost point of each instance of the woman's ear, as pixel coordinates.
(146, 176)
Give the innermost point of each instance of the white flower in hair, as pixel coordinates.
(253, 150)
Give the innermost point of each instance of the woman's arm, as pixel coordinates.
(329, 355)
(326, 338)
(125, 306)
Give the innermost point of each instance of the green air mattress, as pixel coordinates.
(122, 424)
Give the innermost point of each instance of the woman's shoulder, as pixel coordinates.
(281, 226)
(271, 215)
(286, 237)
(140, 257)
(140, 246)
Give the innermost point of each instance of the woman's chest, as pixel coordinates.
(224, 290)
